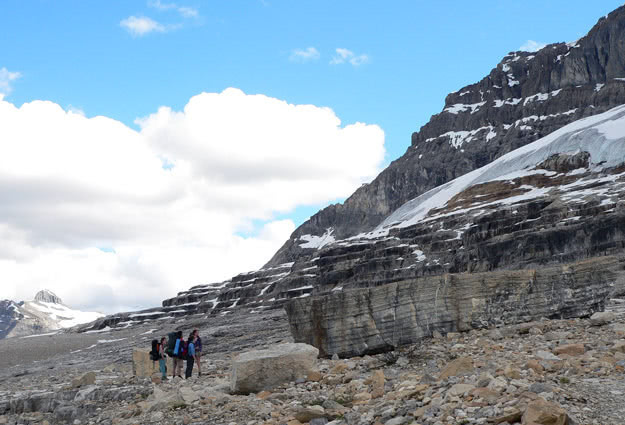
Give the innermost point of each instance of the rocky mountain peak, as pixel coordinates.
(48, 296)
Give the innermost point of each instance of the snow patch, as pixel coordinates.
(460, 107)
(317, 242)
(582, 135)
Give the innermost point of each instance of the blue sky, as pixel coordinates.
(385, 64)
(76, 53)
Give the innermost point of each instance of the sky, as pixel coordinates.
(149, 146)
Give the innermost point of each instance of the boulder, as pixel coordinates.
(377, 384)
(542, 412)
(144, 367)
(602, 318)
(459, 390)
(260, 370)
(307, 414)
(570, 350)
(457, 367)
(161, 400)
(84, 380)
(188, 395)
(545, 355)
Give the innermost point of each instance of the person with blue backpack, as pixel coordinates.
(190, 355)
(179, 355)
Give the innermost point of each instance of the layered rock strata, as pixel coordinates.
(372, 320)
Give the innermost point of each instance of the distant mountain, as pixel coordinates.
(45, 313)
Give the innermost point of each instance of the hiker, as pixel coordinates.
(178, 359)
(190, 355)
(162, 361)
(198, 351)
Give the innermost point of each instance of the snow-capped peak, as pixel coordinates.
(48, 296)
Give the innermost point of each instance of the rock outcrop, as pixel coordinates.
(364, 321)
(144, 367)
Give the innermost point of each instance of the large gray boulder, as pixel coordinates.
(260, 370)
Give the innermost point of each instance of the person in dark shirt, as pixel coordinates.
(190, 355)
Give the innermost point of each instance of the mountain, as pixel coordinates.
(525, 97)
(45, 313)
(539, 232)
(520, 171)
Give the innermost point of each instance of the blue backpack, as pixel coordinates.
(180, 350)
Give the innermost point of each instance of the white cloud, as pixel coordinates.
(532, 46)
(347, 56)
(184, 11)
(140, 26)
(305, 55)
(89, 211)
(188, 12)
(6, 79)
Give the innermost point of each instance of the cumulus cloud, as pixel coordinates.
(6, 79)
(532, 46)
(305, 55)
(140, 26)
(347, 56)
(111, 218)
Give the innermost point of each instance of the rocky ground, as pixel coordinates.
(502, 375)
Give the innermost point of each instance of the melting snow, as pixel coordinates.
(499, 103)
(540, 97)
(34, 336)
(419, 254)
(107, 341)
(459, 107)
(318, 241)
(97, 331)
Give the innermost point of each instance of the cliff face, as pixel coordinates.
(527, 96)
(368, 321)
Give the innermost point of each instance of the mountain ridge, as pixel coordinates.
(496, 114)
(46, 312)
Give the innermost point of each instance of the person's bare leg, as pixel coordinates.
(199, 366)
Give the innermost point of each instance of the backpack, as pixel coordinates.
(182, 350)
(171, 343)
(155, 353)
